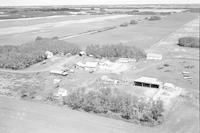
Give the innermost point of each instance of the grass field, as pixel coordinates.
(15, 33)
(142, 35)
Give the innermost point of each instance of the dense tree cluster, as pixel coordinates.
(19, 57)
(118, 51)
(189, 42)
(114, 103)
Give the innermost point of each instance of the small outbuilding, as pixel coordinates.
(82, 53)
(49, 54)
(148, 82)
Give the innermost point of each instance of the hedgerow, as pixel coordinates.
(118, 51)
(22, 56)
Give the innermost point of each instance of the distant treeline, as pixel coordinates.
(19, 57)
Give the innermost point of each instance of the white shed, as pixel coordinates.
(49, 54)
(153, 56)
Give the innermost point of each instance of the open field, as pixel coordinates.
(40, 118)
(72, 25)
(142, 35)
(19, 33)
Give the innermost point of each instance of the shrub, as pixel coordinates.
(124, 25)
(189, 42)
(19, 57)
(133, 22)
(114, 103)
(38, 38)
(153, 18)
(116, 51)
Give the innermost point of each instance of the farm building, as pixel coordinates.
(148, 82)
(82, 53)
(153, 56)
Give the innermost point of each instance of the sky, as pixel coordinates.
(93, 2)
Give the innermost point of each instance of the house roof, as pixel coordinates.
(148, 80)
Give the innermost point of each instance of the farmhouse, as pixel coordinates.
(148, 82)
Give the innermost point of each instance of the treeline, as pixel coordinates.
(116, 51)
(19, 57)
(116, 104)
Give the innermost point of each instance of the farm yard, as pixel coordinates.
(106, 72)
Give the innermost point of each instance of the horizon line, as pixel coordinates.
(101, 4)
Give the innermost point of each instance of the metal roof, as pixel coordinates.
(148, 80)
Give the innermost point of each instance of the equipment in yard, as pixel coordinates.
(59, 72)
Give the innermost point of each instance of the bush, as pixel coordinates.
(38, 38)
(124, 25)
(114, 103)
(133, 22)
(189, 42)
(19, 57)
(153, 18)
(116, 51)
